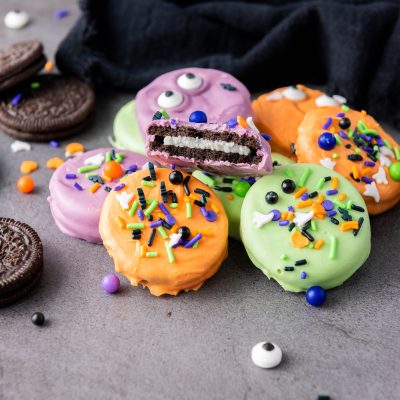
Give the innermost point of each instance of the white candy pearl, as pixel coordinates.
(325, 101)
(291, 93)
(266, 355)
(16, 19)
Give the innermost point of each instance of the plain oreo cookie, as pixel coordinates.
(56, 107)
(21, 260)
(19, 62)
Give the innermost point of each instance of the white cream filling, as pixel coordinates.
(206, 144)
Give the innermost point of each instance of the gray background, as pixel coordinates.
(197, 345)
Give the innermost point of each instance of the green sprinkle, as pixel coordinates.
(108, 156)
(338, 203)
(310, 245)
(173, 205)
(345, 107)
(313, 225)
(133, 208)
(170, 253)
(188, 210)
(88, 168)
(350, 133)
(148, 183)
(150, 208)
(207, 180)
(361, 126)
(397, 153)
(337, 137)
(321, 183)
(370, 132)
(164, 114)
(284, 257)
(304, 177)
(357, 150)
(88, 176)
(163, 234)
(196, 245)
(376, 148)
(289, 173)
(152, 254)
(119, 157)
(334, 247)
(138, 225)
(349, 204)
(335, 155)
(387, 144)
(35, 85)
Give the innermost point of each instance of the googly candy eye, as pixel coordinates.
(271, 197)
(169, 99)
(189, 81)
(266, 355)
(288, 186)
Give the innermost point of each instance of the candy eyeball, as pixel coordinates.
(271, 197)
(266, 355)
(16, 19)
(189, 81)
(293, 94)
(169, 99)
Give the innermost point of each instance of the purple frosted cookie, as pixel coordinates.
(79, 187)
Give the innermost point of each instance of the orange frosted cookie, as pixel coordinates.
(280, 112)
(355, 145)
(165, 230)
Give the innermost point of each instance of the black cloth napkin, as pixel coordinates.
(352, 47)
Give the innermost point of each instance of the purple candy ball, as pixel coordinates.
(110, 283)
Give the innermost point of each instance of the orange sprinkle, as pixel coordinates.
(320, 198)
(215, 208)
(242, 122)
(290, 215)
(332, 129)
(346, 226)
(318, 244)
(54, 163)
(318, 209)
(193, 197)
(73, 148)
(284, 215)
(48, 67)
(305, 203)
(142, 250)
(366, 170)
(206, 232)
(121, 222)
(229, 197)
(342, 196)
(28, 166)
(355, 171)
(363, 113)
(106, 178)
(335, 183)
(298, 240)
(94, 187)
(186, 199)
(300, 192)
(174, 229)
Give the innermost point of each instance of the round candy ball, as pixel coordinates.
(112, 170)
(316, 296)
(326, 141)
(37, 318)
(110, 283)
(25, 184)
(240, 188)
(198, 117)
(344, 123)
(271, 197)
(266, 355)
(185, 232)
(16, 19)
(176, 177)
(288, 186)
(394, 171)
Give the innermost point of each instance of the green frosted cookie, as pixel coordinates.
(324, 241)
(232, 193)
(126, 130)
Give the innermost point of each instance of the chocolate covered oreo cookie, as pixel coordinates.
(53, 108)
(19, 62)
(21, 260)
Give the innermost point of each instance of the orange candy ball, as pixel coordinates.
(112, 170)
(25, 184)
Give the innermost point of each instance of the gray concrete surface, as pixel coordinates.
(195, 346)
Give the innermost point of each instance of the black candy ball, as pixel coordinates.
(344, 123)
(37, 318)
(185, 232)
(271, 197)
(288, 186)
(176, 177)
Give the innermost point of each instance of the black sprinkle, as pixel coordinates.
(334, 220)
(136, 231)
(165, 224)
(201, 191)
(151, 238)
(113, 154)
(157, 115)
(348, 146)
(360, 222)
(275, 164)
(152, 171)
(342, 210)
(307, 226)
(174, 198)
(300, 262)
(107, 189)
(291, 226)
(150, 217)
(137, 236)
(185, 185)
(147, 178)
(372, 157)
(223, 188)
(96, 179)
(227, 180)
(354, 179)
(199, 203)
(357, 208)
(307, 235)
(327, 178)
(354, 157)
(312, 195)
(289, 268)
(142, 198)
(292, 148)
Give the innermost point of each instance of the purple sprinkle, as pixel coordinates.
(54, 143)
(340, 115)
(140, 214)
(17, 99)
(168, 217)
(62, 13)
(155, 224)
(303, 275)
(328, 205)
(368, 149)
(290, 208)
(133, 168)
(366, 179)
(327, 124)
(304, 196)
(250, 180)
(331, 192)
(78, 186)
(284, 222)
(119, 187)
(172, 166)
(179, 243)
(193, 241)
(366, 138)
(331, 214)
(277, 215)
(266, 136)
(70, 176)
(172, 121)
(232, 122)
(369, 163)
(210, 215)
(379, 141)
(343, 135)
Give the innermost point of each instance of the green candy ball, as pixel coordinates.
(394, 171)
(240, 188)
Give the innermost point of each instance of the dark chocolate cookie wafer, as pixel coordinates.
(19, 62)
(21, 260)
(60, 106)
